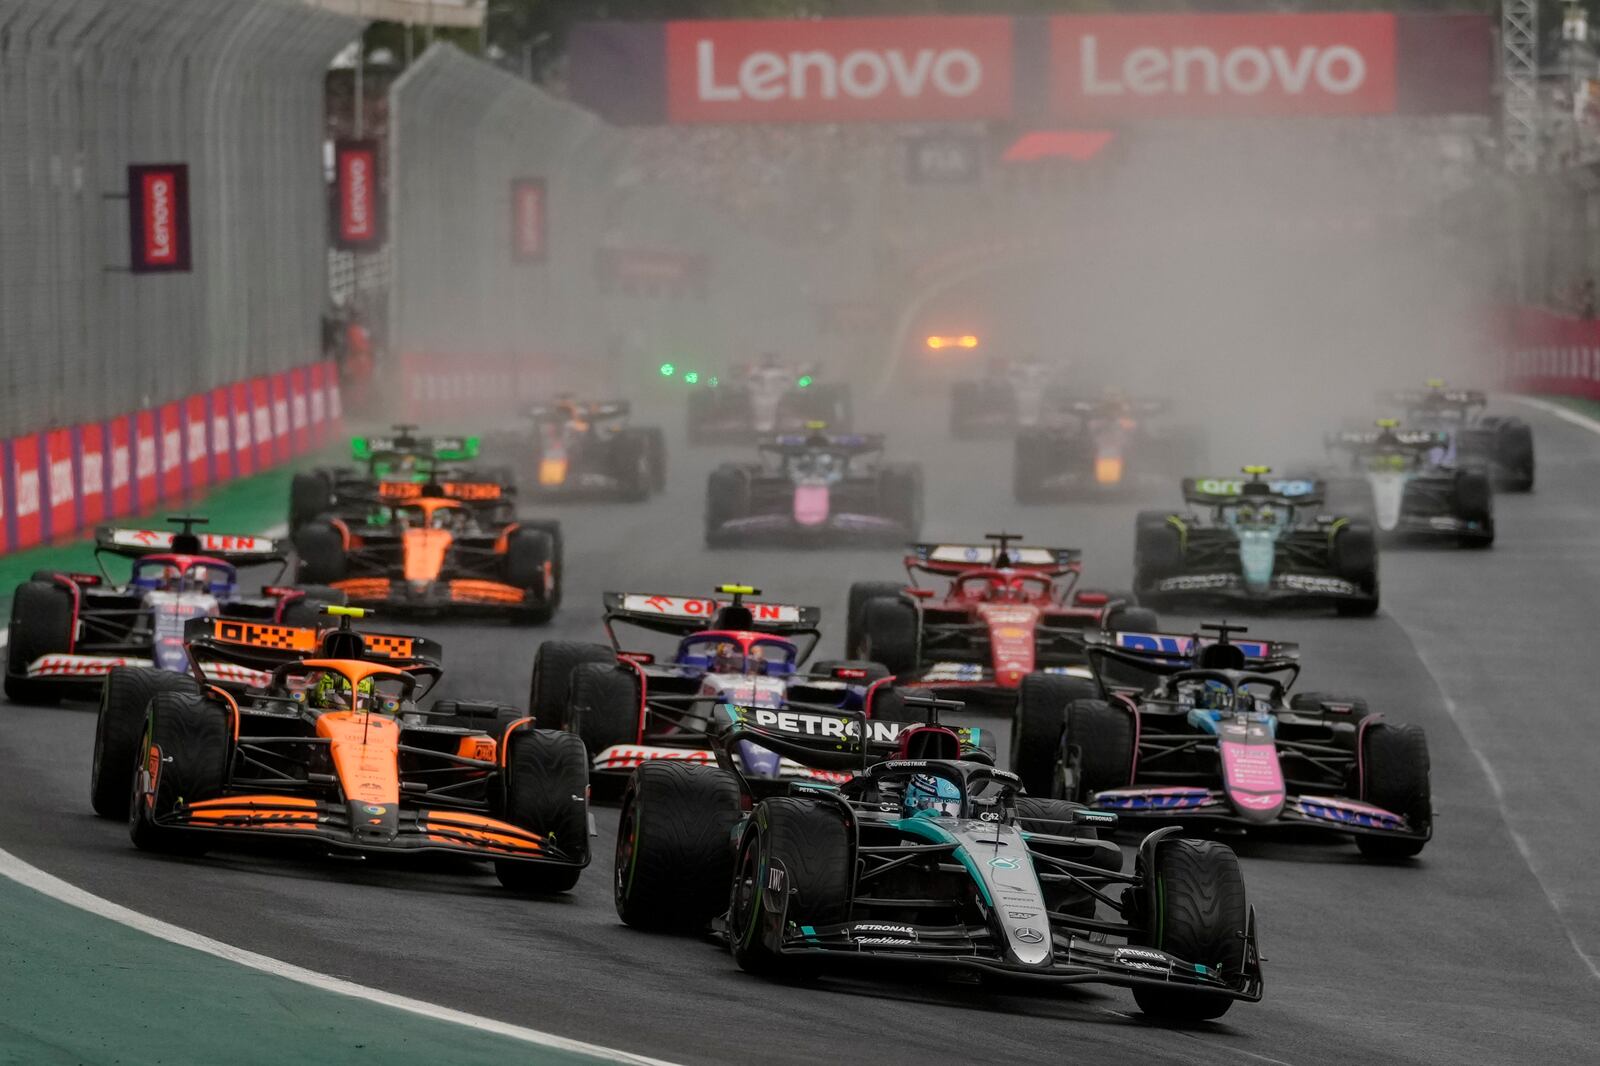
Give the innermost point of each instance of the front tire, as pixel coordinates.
(188, 743)
(41, 624)
(1202, 917)
(546, 791)
(1396, 778)
(889, 634)
(810, 845)
(124, 707)
(674, 860)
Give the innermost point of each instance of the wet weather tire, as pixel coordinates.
(124, 706)
(551, 686)
(192, 740)
(546, 790)
(1097, 747)
(1201, 916)
(1396, 770)
(809, 843)
(1041, 716)
(674, 859)
(41, 624)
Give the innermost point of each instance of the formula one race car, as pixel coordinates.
(1418, 486)
(1200, 731)
(334, 749)
(630, 708)
(456, 545)
(1007, 634)
(1503, 443)
(926, 857)
(1092, 447)
(69, 630)
(764, 399)
(590, 450)
(1258, 543)
(1010, 396)
(401, 456)
(818, 488)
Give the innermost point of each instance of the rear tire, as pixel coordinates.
(1475, 503)
(810, 844)
(1396, 769)
(546, 792)
(603, 707)
(1514, 455)
(630, 465)
(124, 708)
(1097, 745)
(889, 634)
(900, 496)
(1158, 550)
(1354, 557)
(41, 624)
(321, 552)
(1041, 717)
(727, 498)
(674, 859)
(193, 738)
(1202, 918)
(856, 609)
(1030, 465)
(655, 443)
(306, 612)
(528, 553)
(310, 495)
(1133, 620)
(551, 686)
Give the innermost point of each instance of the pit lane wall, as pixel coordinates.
(59, 482)
(1551, 354)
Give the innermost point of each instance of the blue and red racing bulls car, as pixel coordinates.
(630, 708)
(69, 629)
(1201, 731)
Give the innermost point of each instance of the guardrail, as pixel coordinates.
(1551, 353)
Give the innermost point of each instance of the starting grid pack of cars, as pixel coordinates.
(810, 813)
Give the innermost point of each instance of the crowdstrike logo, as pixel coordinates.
(862, 74)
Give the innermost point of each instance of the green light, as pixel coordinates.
(692, 378)
(667, 370)
(712, 381)
(805, 382)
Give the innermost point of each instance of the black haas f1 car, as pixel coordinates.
(927, 857)
(1097, 447)
(630, 707)
(68, 630)
(765, 399)
(351, 492)
(1418, 487)
(451, 546)
(1010, 396)
(589, 450)
(1007, 634)
(334, 750)
(1503, 443)
(1257, 542)
(815, 489)
(1200, 731)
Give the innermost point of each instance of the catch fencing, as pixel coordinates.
(233, 89)
(529, 254)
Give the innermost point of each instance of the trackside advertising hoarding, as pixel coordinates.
(1060, 68)
(527, 220)
(158, 218)
(358, 214)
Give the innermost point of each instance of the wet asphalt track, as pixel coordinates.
(1481, 952)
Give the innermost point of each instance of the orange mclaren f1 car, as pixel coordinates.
(335, 750)
(456, 545)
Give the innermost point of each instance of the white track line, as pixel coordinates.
(57, 889)
(1566, 414)
(70, 894)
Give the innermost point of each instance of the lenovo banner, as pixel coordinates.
(1213, 66)
(357, 211)
(839, 70)
(158, 218)
(527, 219)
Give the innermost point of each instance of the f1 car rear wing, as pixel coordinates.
(1432, 398)
(841, 443)
(1112, 406)
(265, 645)
(1210, 491)
(595, 411)
(236, 548)
(683, 615)
(466, 491)
(953, 559)
(1387, 438)
(404, 441)
(1168, 653)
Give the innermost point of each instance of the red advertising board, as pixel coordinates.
(1215, 66)
(282, 444)
(299, 415)
(261, 421)
(527, 219)
(244, 428)
(61, 483)
(196, 442)
(839, 70)
(221, 411)
(93, 468)
(169, 450)
(358, 215)
(27, 490)
(119, 466)
(317, 401)
(146, 460)
(1551, 353)
(158, 218)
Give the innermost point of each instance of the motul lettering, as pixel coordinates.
(1244, 71)
(862, 74)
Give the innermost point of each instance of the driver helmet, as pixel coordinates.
(727, 658)
(331, 691)
(931, 795)
(1213, 696)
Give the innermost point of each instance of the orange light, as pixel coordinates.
(935, 343)
(969, 341)
(1108, 470)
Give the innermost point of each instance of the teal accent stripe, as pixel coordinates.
(935, 833)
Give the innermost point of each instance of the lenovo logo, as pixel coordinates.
(839, 70)
(356, 171)
(158, 215)
(1139, 66)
